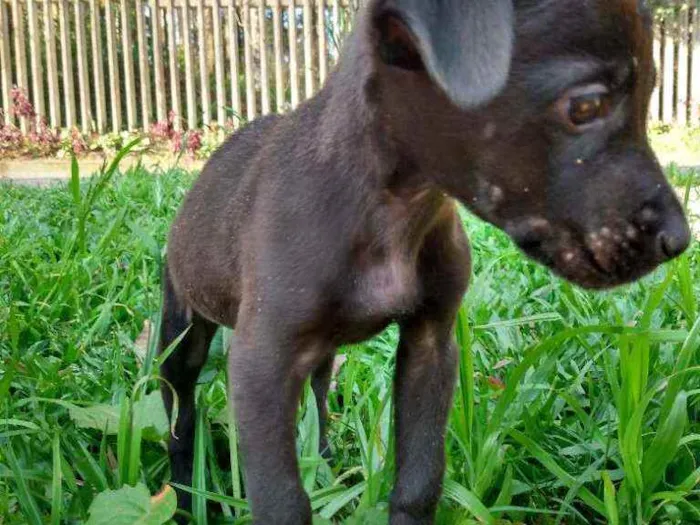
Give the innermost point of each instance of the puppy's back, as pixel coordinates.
(203, 251)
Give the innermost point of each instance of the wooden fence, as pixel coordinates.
(112, 65)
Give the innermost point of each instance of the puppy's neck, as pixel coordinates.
(351, 122)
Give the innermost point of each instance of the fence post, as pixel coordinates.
(144, 70)
(694, 66)
(264, 75)
(83, 81)
(5, 65)
(219, 63)
(51, 64)
(113, 69)
(20, 53)
(308, 49)
(279, 74)
(250, 102)
(67, 64)
(157, 33)
(293, 53)
(127, 51)
(203, 66)
(97, 66)
(234, 53)
(35, 56)
(189, 72)
(322, 56)
(175, 104)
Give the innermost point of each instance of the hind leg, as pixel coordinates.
(320, 381)
(181, 370)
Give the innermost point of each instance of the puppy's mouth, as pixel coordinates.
(605, 258)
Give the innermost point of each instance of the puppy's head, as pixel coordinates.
(533, 113)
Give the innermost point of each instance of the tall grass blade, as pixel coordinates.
(551, 464)
(199, 466)
(683, 362)
(610, 497)
(56, 482)
(665, 444)
(467, 499)
(124, 440)
(24, 496)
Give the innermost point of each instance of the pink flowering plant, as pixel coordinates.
(36, 138)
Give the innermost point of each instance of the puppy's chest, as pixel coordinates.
(383, 288)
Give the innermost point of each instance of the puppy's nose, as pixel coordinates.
(673, 237)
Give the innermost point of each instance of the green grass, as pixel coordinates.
(571, 407)
(676, 144)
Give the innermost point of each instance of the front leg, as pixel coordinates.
(425, 375)
(267, 368)
(424, 385)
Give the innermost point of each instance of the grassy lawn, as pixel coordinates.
(571, 407)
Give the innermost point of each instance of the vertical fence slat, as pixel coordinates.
(661, 73)
(175, 104)
(308, 49)
(219, 63)
(322, 47)
(115, 96)
(51, 64)
(5, 65)
(682, 66)
(335, 18)
(248, 58)
(203, 66)
(293, 53)
(35, 56)
(234, 53)
(189, 72)
(144, 69)
(157, 33)
(67, 64)
(279, 74)
(676, 60)
(695, 67)
(667, 72)
(654, 102)
(264, 74)
(97, 65)
(129, 82)
(83, 81)
(20, 52)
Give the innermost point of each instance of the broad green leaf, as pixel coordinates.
(133, 506)
(101, 417)
(149, 416)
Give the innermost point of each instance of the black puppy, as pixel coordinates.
(319, 228)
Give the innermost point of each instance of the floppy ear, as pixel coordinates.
(465, 45)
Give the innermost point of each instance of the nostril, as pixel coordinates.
(674, 243)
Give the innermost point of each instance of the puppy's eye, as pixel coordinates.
(583, 106)
(587, 108)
